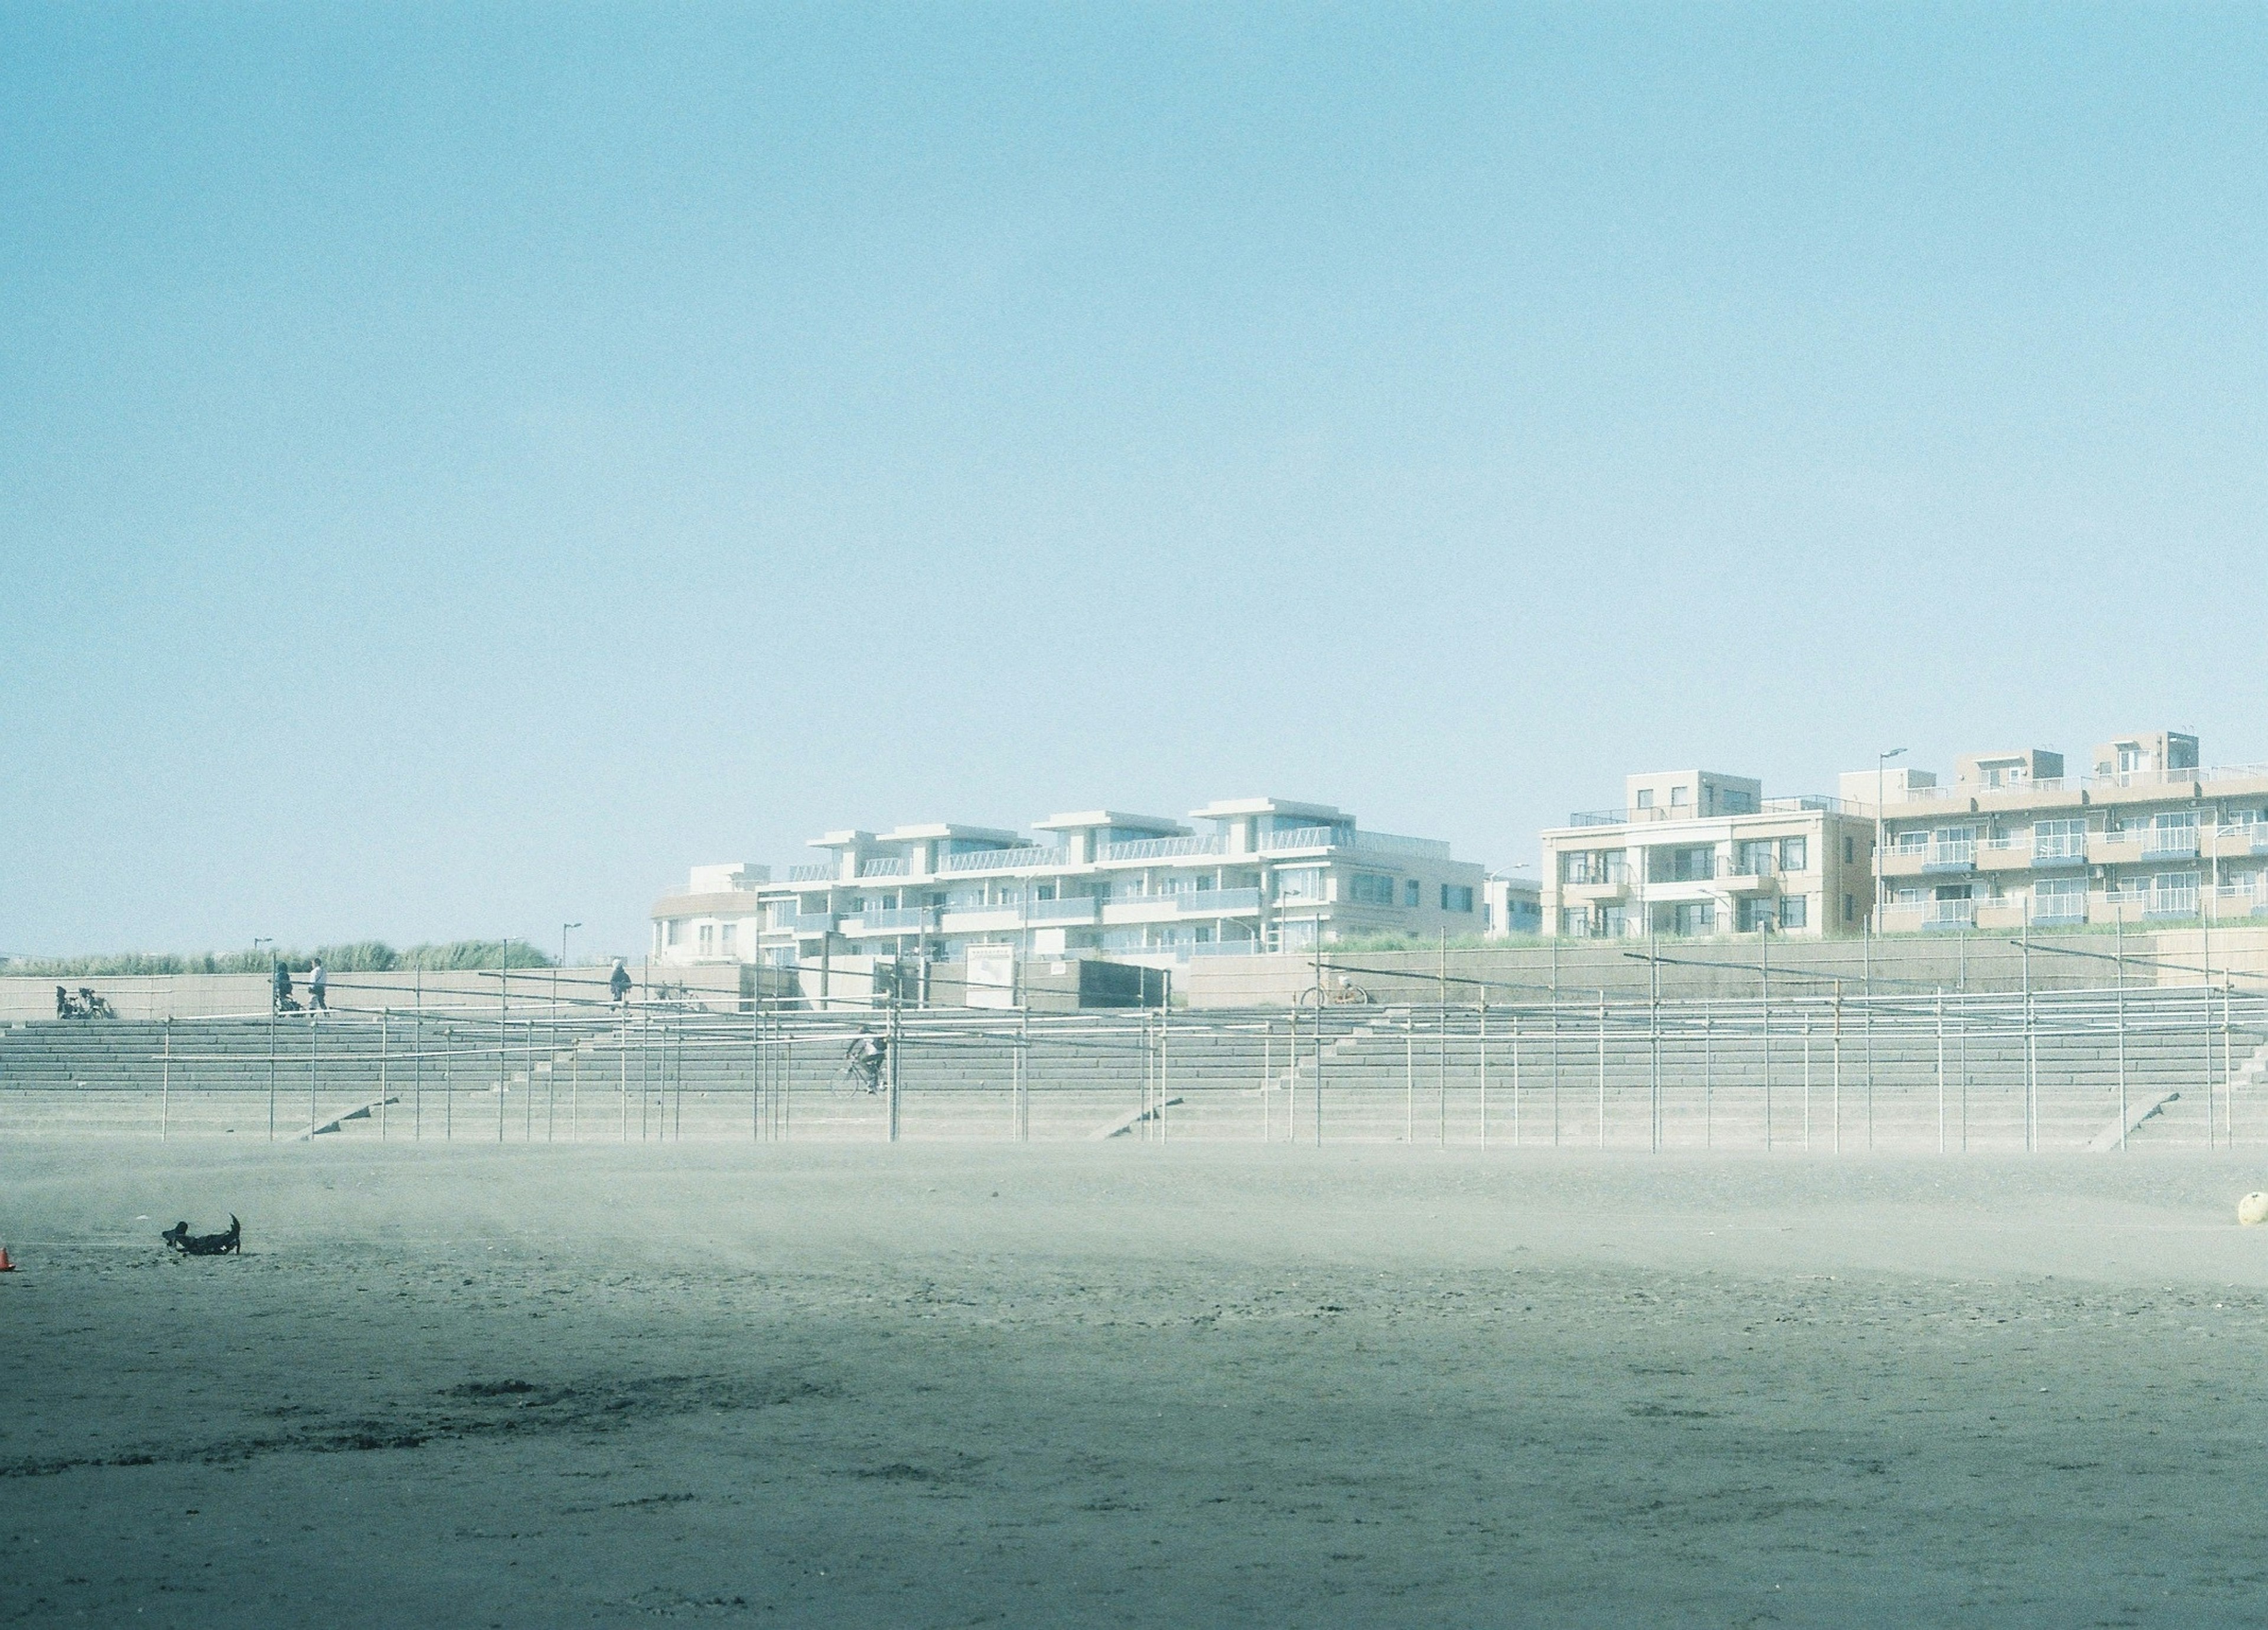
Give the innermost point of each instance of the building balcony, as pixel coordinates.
(885, 866)
(1219, 901)
(980, 919)
(1949, 916)
(910, 919)
(807, 925)
(1763, 880)
(2058, 910)
(1940, 858)
(1078, 908)
(1148, 908)
(817, 873)
(2247, 838)
(2170, 845)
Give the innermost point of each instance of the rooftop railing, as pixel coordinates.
(1347, 837)
(1163, 848)
(886, 866)
(1798, 803)
(1001, 860)
(817, 873)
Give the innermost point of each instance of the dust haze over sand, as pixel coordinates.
(1129, 1384)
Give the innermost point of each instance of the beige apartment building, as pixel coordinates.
(2144, 835)
(1695, 853)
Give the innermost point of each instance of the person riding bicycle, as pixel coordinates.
(863, 1058)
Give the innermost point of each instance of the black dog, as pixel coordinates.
(178, 1238)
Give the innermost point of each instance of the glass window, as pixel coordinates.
(1794, 910)
(1646, 798)
(1305, 883)
(1370, 888)
(1411, 895)
(1794, 855)
(1676, 797)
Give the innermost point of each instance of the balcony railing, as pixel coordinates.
(1078, 910)
(1219, 901)
(2063, 849)
(811, 873)
(1001, 860)
(1395, 843)
(907, 919)
(885, 867)
(2169, 843)
(1949, 857)
(1163, 848)
(1942, 914)
(2059, 908)
(808, 922)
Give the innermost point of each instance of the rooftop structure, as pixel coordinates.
(1237, 876)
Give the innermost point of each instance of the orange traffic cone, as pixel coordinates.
(6, 1266)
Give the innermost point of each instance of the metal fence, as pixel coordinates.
(1818, 1069)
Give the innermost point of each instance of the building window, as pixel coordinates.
(1411, 892)
(729, 935)
(1850, 852)
(708, 938)
(1692, 865)
(1370, 888)
(1456, 898)
(1677, 798)
(1850, 903)
(669, 932)
(1646, 798)
(1690, 916)
(1575, 921)
(1794, 855)
(1916, 842)
(1750, 915)
(1794, 910)
(1305, 883)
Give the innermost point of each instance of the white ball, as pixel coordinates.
(2253, 1208)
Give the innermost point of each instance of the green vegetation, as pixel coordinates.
(1417, 942)
(359, 956)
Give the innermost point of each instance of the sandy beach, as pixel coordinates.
(1128, 1384)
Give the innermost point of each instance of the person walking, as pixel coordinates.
(619, 983)
(317, 984)
(283, 1002)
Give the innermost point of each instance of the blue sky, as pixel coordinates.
(460, 466)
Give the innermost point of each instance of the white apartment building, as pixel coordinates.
(1695, 853)
(1249, 875)
(2145, 836)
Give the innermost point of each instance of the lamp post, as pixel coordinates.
(562, 962)
(1882, 762)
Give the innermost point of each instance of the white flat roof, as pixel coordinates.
(1163, 824)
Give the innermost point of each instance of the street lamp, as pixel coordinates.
(562, 962)
(1881, 761)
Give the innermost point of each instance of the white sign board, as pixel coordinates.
(991, 975)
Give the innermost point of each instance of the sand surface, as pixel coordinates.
(1129, 1384)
